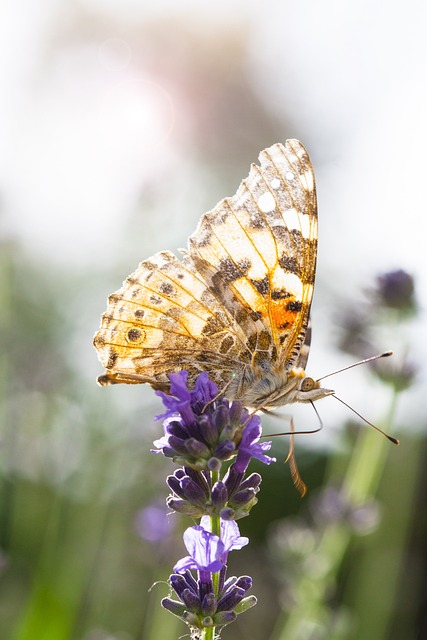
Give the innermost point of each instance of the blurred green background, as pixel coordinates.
(122, 122)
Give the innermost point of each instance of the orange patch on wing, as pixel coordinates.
(281, 316)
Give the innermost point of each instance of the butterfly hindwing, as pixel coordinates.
(164, 319)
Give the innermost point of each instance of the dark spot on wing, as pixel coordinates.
(289, 263)
(244, 266)
(228, 271)
(112, 359)
(167, 288)
(280, 294)
(294, 305)
(262, 286)
(134, 335)
(256, 221)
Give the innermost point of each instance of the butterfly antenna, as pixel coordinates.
(356, 364)
(393, 440)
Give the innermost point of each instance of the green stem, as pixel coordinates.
(209, 633)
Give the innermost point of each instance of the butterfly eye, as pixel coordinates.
(307, 384)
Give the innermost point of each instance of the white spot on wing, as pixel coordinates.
(266, 202)
(291, 283)
(296, 221)
(275, 183)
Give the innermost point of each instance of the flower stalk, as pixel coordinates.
(213, 440)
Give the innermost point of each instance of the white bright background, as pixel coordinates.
(122, 121)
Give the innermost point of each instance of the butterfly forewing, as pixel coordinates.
(257, 250)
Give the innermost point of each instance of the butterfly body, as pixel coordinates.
(237, 305)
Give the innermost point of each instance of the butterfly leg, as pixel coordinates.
(295, 474)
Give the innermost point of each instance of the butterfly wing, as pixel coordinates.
(260, 247)
(242, 291)
(165, 319)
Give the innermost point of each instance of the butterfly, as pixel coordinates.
(238, 303)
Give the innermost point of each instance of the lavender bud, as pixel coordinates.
(228, 514)
(231, 599)
(209, 604)
(245, 604)
(224, 617)
(177, 608)
(178, 430)
(235, 412)
(178, 445)
(224, 450)
(168, 452)
(175, 485)
(232, 480)
(244, 582)
(184, 507)
(214, 464)
(196, 448)
(221, 418)
(178, 584)
(199, 478)
(219, 495)
(190, 600)
(207, 429)
(229, 582)
(192, 492)
(192, 583)
(191, 619)
(253, 481)
(242, 498)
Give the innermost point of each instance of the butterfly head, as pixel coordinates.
(308, 390)
(304, 388)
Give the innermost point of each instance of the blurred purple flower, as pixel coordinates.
(396, 289)
(153, 524)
